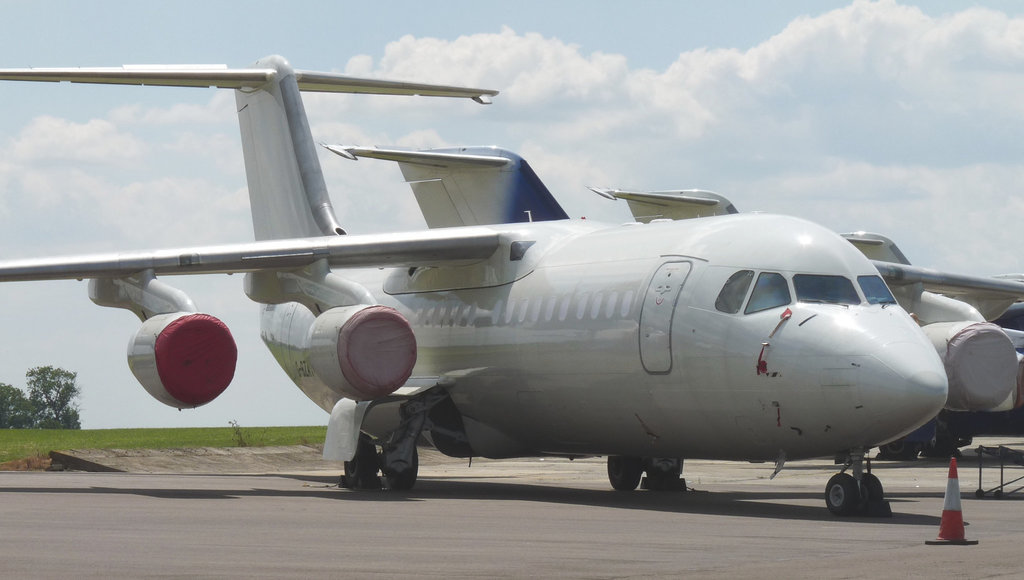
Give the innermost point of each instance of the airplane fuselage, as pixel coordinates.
(585, 338)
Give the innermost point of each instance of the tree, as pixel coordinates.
(16, 411)
(52, 391)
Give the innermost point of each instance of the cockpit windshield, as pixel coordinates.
(730, 299)
(770, 291)
(875, 290)
(825, 289)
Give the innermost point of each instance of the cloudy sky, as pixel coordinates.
(901, 118)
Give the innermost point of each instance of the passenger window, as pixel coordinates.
(875, 290)
(770, 291)
(730, 299)
(825, 289)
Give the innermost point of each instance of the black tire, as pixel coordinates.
(406, 478)
(871, 487)
(361, 471)
(663, 474)
(842, 496)
(625, 472)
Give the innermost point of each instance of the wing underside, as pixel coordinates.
(448, 248)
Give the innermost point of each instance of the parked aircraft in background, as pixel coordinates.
(516, 331)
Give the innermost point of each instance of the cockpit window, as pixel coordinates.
(730, 299)
(825, 289)
(875, 290)
(770, 291)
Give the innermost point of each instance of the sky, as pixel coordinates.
(902, 118)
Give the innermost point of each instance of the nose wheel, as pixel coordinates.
(857, 493)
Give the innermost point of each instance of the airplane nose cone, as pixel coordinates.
(907, 388)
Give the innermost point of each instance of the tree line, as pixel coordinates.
(49, 404)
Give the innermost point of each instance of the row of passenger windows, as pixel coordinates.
(772, 290)
(530, 310)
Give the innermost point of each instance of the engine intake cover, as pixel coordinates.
(184, 360)
(980, 362)
(364, 352)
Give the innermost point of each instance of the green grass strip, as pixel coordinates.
(22, 443)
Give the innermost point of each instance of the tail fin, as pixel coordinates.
(287, 192)
(286, 185)
(466, 186)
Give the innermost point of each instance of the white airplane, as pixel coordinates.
(748, 337)
(984, 371)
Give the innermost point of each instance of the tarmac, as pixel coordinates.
(263, 513)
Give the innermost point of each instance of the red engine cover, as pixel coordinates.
(195, 358)
(376, 351)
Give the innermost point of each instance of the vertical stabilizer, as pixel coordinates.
(286, 185)
(287, 191)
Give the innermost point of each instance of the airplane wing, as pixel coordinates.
(991, 296)
(221, 76)
(676, 205)
(428, 248)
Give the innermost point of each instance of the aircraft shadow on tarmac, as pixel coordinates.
(799, 504)
(795, 505)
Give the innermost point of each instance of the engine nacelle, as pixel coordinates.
(184, 360)
(981, 363)
(364, 352)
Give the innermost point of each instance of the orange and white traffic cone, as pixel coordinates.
(951, 528)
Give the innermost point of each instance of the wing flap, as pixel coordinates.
(430, 248)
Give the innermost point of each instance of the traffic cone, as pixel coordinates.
(951, 528)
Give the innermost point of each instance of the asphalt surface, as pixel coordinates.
(552, 518)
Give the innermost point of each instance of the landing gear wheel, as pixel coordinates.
(361, 471)
(842, 495)
(871, 487)
(404, 479)
(663, 474)
(899, 450)
(625, 472)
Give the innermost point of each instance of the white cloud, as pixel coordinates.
(48, 138)
(219, 109)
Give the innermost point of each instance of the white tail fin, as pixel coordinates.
(286, 186)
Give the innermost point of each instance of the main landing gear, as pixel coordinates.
(663, 474)
(372, 470)
(856, 493)
(398, 460)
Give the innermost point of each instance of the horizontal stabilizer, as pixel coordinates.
(877, 247)
(237, 78)
(468, 186)
(675, 205)
(427, 158)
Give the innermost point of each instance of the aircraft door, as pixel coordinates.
(656, 316)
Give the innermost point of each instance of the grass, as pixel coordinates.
(25, 443)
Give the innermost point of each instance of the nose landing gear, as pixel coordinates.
(856, 493)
